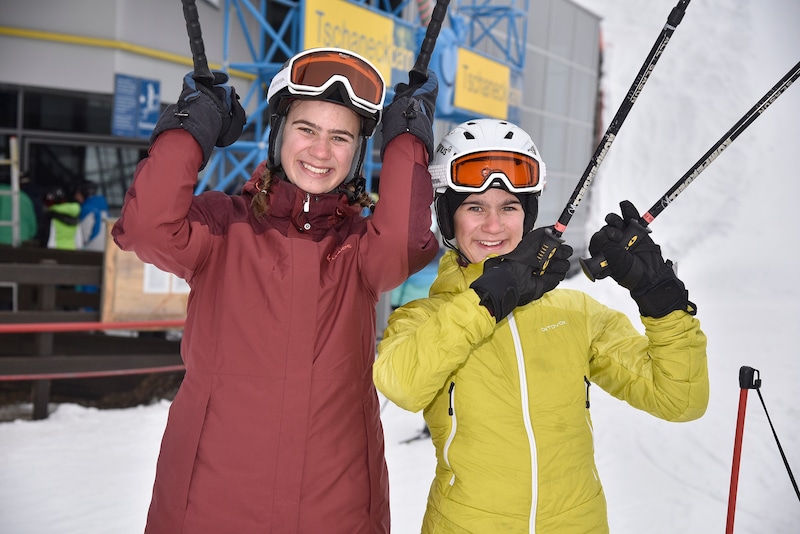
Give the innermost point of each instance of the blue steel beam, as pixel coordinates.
(272, 30)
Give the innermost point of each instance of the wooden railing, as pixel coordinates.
(50, 326)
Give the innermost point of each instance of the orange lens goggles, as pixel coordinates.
(314, 72)
(475, 171)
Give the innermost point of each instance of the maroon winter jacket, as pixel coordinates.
(276, 427)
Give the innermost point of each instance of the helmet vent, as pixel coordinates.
(509, 135)
(468, 135)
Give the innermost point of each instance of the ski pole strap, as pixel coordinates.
(780, 449)
(750, 378)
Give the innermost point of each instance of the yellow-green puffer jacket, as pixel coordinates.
(507, 403)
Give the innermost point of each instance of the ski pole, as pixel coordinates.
(202, 74)
(418, 74)
(748, 379)
(596, 266)
(554, 236)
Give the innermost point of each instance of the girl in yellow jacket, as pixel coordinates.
(500, 362)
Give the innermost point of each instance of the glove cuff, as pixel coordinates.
(406, 115)
(497, 291)
(665, 295)
(204, 121)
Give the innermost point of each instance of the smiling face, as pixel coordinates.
(488, 223)
(319, 142)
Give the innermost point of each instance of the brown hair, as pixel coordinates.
(259, 206)
(362, 199)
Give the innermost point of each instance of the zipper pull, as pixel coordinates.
(586, 380)
(307, 203)
(450, 392)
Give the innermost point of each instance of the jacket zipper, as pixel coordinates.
(452, 411)
(526, 418)
(591, 428)
(307, 203)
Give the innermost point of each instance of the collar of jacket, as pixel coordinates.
(452, 277)
(308, 212)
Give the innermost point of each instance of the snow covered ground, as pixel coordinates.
(734, 233)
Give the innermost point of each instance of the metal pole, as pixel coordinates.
(749, 378)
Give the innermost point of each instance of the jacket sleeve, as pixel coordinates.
(664, 372)
(424, 343)
(154, 222)
(400, 233)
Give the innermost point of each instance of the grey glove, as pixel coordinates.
(640, 267)
(412, 110)
(517, 278)
(213, 116)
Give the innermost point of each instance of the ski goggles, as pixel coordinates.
(477, 170)
(315, 71)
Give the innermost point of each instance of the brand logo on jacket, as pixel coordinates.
(331, 257)
(553, 326)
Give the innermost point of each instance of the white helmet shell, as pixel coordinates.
(481, 134)
(279, 95)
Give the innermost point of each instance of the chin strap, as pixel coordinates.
(462, 259)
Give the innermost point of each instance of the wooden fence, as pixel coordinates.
(50, 324)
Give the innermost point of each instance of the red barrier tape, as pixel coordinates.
(25, 328)
(94, 374)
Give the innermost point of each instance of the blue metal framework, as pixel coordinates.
(272, 30)
(509, 17)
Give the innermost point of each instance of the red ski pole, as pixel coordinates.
(748, 379)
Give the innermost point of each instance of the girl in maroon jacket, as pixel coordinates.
(276, 426)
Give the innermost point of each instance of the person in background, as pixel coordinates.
(500, 361)
(28, 225)
(276, 426)
(94, 212)
(64, 216)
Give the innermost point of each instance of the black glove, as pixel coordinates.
(213, 116)
(517, 278)
(411, 110)
(639, 267)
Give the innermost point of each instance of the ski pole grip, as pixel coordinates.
(749, 378)
(202, 74)
(596, 267)
(418, 74)
(676, 15)
(550, 243)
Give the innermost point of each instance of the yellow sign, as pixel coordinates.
(340, 24)
(482, 85)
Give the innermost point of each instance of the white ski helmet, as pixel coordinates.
(483, 153)
(333, 75)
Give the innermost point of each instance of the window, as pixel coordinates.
(68, 112)
(8, 107)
